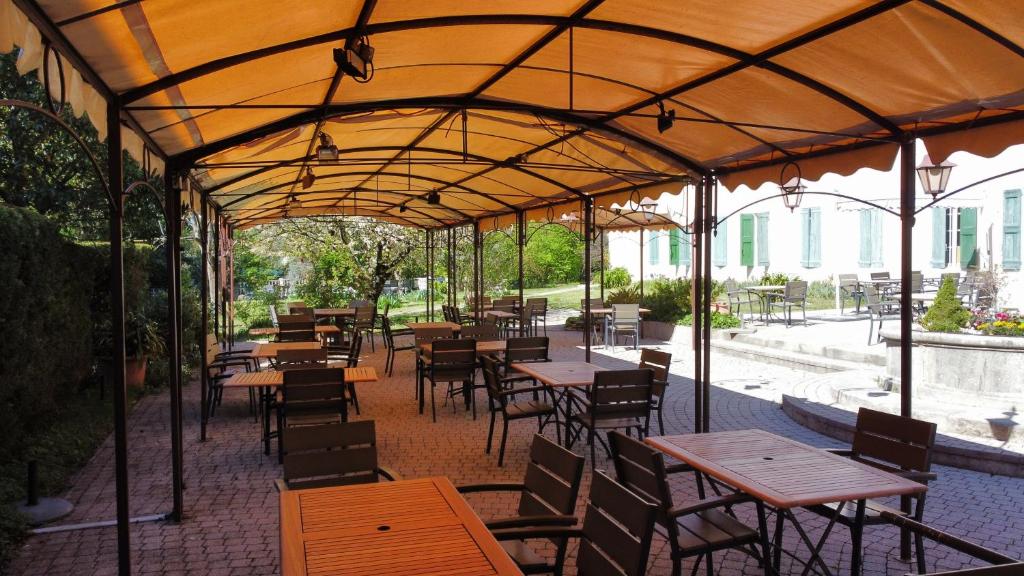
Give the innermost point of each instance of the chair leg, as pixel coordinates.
(355, 398)
(490, 431)
(504, 438)
(919, 552)
(433, 406)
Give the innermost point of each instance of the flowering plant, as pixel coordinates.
(997, 323)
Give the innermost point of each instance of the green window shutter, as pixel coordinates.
(876, 238)
(939, 238)
(968, 238)
(1011, 230)
(673, 246)
(684, 249)
(652, 244)
(865, 239)
(810, 220)
(719, 254)
(747, 239)
(762, 239)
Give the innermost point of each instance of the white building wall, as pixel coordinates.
(840, 226)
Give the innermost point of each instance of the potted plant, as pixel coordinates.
(141, 340)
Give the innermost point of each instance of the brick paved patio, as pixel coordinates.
(231, 504)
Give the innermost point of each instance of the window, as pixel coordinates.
(940, 238)
(1011, 230)
(762, 239)
(968, 238)
(673, 246)
(955, 237)
(870, 238)
(811, 246)
(747, 239)
(652, 244)
(685, 248)
(719, 254)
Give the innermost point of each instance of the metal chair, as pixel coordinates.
(877, 309)
(310, 396)
(450, 361)
(502, 400)
(521, 350)
(699, 529)
(880, 276)
(895, 444)
(391, 345)
(625, 320)
(794, 295)
(658, 362)
(538, 313)
(365, 320)
(849, 286)
(547, 494)
(618, 399)
(737, 297)
(615, 539)
(481, 332)
(423, 336)
(336, 454)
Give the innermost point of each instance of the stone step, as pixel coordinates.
(782, 357)
(836, 352)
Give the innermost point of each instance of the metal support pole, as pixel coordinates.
(477, 305)
(908, 156)
(231, 286)
(641, 264)
(216, 275)
(697, 309)
(602, 264)
(588, 223)
(172, 202)
(520, 243)
(710, 220)
(115, 176)
(204, 302)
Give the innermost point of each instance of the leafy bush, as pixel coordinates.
(624, 295)
(617, 277)
(946, 313)
(668, 299)
(821, 290)
(719, 320)
(328, 283)
(777, 279)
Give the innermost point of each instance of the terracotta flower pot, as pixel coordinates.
(135, 372)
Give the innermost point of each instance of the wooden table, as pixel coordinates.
(763, 292)
(560, 374)
(329, 312)
(482, 347)
(270, 349)
(420, 325)
(270, 378)
(784, 473)
(421, 526)
(273, 331)
(609, 310)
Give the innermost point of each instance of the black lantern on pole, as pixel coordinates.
(792, 188)
(934, 177)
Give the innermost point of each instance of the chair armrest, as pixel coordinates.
(492, 487)
(524, 521)
(515, 391)
(839, 451)
(388, 473)
(281, 485)
(709, 503)
(677, 468)
(537, 532)
(917, 476)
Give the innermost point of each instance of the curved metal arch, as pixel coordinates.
(383, 213)
(265, 210)
(67, 128)
(781, 195)
(609, 26)
(967, 187)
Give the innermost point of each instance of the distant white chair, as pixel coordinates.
(625, 321)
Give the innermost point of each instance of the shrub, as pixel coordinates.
(719, 320)
(617, 277)
(668, 299)
(946, 313)
(624, 295)
(821, 290)
(777, 279)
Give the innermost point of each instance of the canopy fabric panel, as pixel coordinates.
(477, 110)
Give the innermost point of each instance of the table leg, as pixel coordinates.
(856, 534)
(265, 404)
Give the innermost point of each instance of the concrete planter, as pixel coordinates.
(658, 330)
(986, 365)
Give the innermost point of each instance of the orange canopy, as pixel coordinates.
(506, 105)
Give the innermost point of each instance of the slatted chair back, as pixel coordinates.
(295, 304)
(891, 441)
(385, 328)
(527, 349)
(642, 469)
(355, 347)
(427, 335)
(366, 317)
(848, 282)
(617, 531)
(283, 319)
(452, 360)
(871, 297)
(305, 334)
(492, 382)
(513, 300)
(795, 291)
(552, 479)
(880, 276)
(313, 392)
(288, 359)
(456, 315)
(446, 312)
(916, 282)
(481, 332)
(658, 362)
(622, 394)
(540, 305)
(594, 303)
(330, 455)
(500, 306)
(625, 315)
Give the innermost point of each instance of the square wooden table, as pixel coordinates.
(270, 378)
(420, 527)
(333, 312)
(560, 374)
(482, 346)
(784, 473)
(270, 349)
(420, 325)
(273, 330)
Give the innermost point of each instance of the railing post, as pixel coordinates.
(588, 222)
(172, 202)
(908, 189)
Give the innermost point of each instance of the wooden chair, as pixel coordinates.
(522, 350)
(896, 444)
(737, 297)
(351, 359)
(365, 320)
(794, 295)
(538, 313)
(336, 454)
(311, 396)
(849, 287)
(625, 320)
(391, 344)
(503, 401)
(658, 362)
(481, 332)
(699, 529)
(450, 361)
(296, 328)
(615, 539)
(217, 365)
(547, 493)
(618, 399)
(426, 336)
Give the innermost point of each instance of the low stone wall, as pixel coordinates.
(987, 365)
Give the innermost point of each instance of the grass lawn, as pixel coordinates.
(564, 296)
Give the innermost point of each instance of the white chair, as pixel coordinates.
(625, 320)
